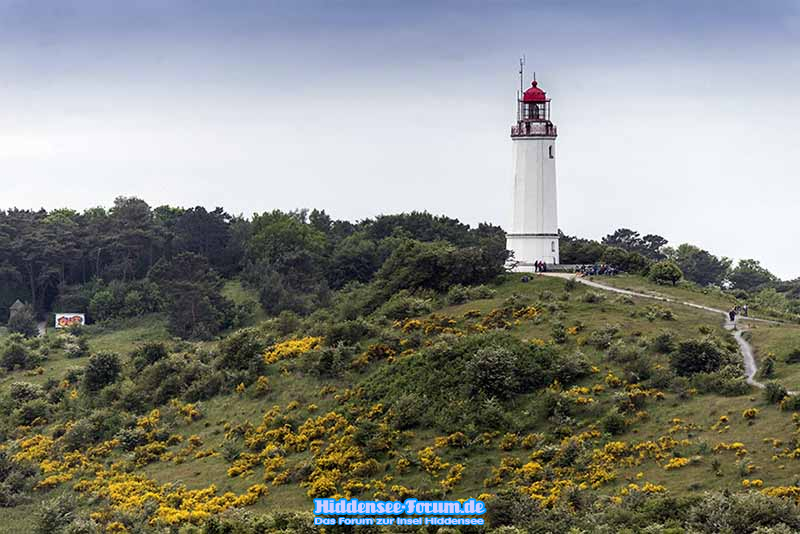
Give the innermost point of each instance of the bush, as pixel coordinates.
(590, 297)
(559, 332)
(664, 342)
(491, 416)
(793, 356)
(242, 350)
(130, 438)
(25, 391)
(16, 481)
(459, 294)
(24, 322)
(79, 435)
(329, 361)
(614, 423)
(347, 332)
(602, 337)
(767, 368)
(727, 382)
(30, 411)
(774, 392)
(492, 372)
(665, 272)
(403, 305)
(696, 356)
(54, 515)
(148, 354)
(742, 512)
(791, 403)
(102, 369)
(75, 346)
(406, 411)
(16, 354)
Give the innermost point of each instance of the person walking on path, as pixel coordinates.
(732, 314)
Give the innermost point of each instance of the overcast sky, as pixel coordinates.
(677, 118)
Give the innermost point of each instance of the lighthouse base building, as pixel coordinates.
(534, 228)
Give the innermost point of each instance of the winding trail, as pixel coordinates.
(750, 367)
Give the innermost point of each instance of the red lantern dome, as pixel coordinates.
(534, 94)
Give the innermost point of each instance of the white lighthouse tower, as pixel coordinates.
(534, 229)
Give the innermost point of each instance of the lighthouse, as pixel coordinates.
(534, 227)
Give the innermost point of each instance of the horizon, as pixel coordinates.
(675, 119)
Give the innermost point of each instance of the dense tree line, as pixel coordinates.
(632, 252)
(114, 262)
(43, 252)
(133, 259)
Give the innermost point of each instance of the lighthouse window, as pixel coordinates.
(550, 149)
(552, 243)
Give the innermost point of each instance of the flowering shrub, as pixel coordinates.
(190, 412)
(453, 477)
(291, 349)
(508, 442)
(676, 463)
(430, 461)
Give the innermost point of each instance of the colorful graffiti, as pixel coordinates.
(65, 320)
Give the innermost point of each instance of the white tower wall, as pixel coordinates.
(534, 228)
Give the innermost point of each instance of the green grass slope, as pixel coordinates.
(678, 436)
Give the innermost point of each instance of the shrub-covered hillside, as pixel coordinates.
(209, 399)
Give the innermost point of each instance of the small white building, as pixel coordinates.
(534, 228)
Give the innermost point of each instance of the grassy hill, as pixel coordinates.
(575, 395)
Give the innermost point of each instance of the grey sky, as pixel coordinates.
(678, 118)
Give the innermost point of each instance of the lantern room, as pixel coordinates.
(533, 114)
(534, 105)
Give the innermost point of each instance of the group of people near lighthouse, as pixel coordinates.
(596, 269)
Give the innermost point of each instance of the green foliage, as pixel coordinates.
(148, 354)
(793, 356)
(627, 261)
(459, 294)
(54, 515)
(117, 299)
(559, 332)
(767, 369)
(696, 356)
(347, 332)
(613, 423)
(700, 266)
(242, 350)
(14, 353)
(453, 373)
(32, 411)
(24, 322)
(741, 512)
(665, 272)
(573, 250)
(648, 246)
(664, 342)
(101, 370)
(774, 392)
(16, 481)
(25, 391)
(603, 337)
(750, 275)
(197, 309)
(403, 305)
(492, 372)
(418, 265)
